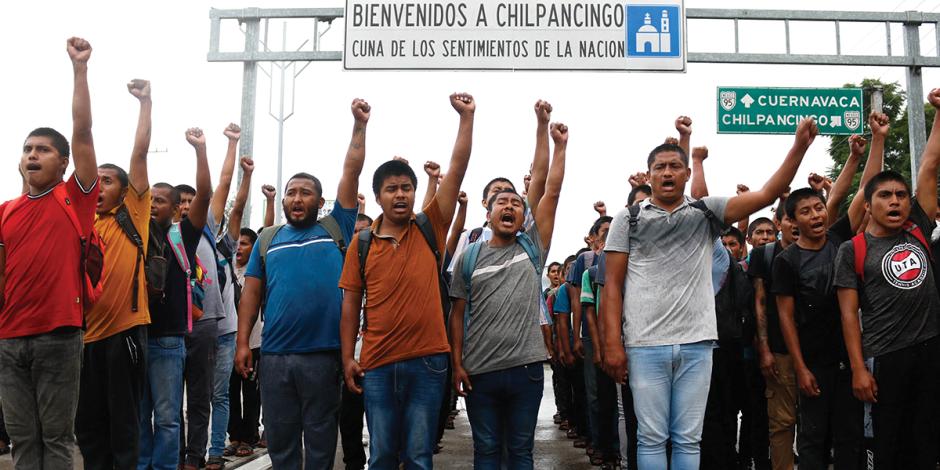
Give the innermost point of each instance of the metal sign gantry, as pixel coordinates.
(911, 59)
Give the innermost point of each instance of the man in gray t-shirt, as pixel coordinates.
(497, 348)
(665, 297)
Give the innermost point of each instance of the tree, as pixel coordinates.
(897, 145)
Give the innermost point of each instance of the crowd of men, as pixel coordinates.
(823, 334)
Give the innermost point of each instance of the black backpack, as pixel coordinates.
(228, 260)
(734, 303)
(154, 260)
(424, 225)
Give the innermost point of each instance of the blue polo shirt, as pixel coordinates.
(303, 300)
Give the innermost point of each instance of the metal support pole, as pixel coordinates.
(280, 125)
(877, 99)
(915, 100)
(249, 81)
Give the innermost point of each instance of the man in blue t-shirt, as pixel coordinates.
(297, 273)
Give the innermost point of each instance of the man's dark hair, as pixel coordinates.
(798, 196)
(582, 250)
(121, 174)
(757, 222)
(59, 141)
(389, 169)
(489, 204)
(572, 258)
(185, 189)
(174, 193)
(734, 232)
(884, 177)
(364, 218)
(780, 210)
(486, 189)
(596, 228)
(307, 176)
(247, 232)
(662, 148)
(552, 264)
(643, 188)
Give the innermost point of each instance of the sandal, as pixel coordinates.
(580, 443)
(215, 463)
(244, 450)
(231, 449)
(572, 433)
(597, 461)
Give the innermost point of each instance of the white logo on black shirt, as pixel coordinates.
(905, 266)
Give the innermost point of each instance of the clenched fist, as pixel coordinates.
(79, 50)
(139, 88)
(361, 110)
(559, 134)
(195, 137)
(463, 103)
(232, 131)
(543, 111)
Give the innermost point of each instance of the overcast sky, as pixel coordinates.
(614, 118)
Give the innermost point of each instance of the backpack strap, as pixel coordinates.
(917, 233)
(470, 256)
(634, 211)
(860, 246)
(424, 225)
(264, 242)
(525, 241)
(331, 226)
(175, 237)
(718, 224)
(475, 234)
(769, 257)
(61, 196)
(123, 219)
(9, 209)
(362, 251)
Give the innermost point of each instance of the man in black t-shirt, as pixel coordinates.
(895, 350)
(812, 330)
(773, 358)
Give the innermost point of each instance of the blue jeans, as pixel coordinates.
(224, 362)
(161, 404)
(300, 396)
(670, 389)
(402, 401)
(504, 407)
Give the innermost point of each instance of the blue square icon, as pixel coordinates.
(653, 31)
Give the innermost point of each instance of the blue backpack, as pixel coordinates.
(470, 256)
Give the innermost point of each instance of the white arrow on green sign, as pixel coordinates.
(837, 111)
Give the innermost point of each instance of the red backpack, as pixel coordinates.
(92, 257)
(860, 244)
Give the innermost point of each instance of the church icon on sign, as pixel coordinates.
(653, 31)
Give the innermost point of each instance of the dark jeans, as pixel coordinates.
(39, 393)
(107, 425)
(834, 416)
(300, 394)
(245, 410)
(905, 419)
(402, 402)
(754, 437)
(504, 407)
(578, 413)
(198, 376)
(562, 389)
(3, 429)
(601, 392)
(725, 399)
(351, 415)
(628, 439)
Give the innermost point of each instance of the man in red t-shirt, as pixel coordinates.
(41, 284)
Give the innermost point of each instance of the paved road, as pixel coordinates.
(552, 449)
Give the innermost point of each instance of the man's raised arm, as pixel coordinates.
(83, 145)
(880, 125)
(840, 189)
(269, 193)
(927, 173)
(539, 171)
(611, 320)
(348, 190)
(199, 208)
(699, 187)
(433, 170)
(447, 192)
(684, 127)
(220, 196)
(137, 173)
(752, 201)
(545, 212)
(241, 198)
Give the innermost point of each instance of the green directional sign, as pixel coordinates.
(837, 111)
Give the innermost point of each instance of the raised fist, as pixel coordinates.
(268, 191)
(741, 189)
(433, 170)
(857, 144)
(700, 153)
(934, 98)
(806, 132)
(526, 180)
(361, 199)
(671, 141)
(684, 125)
(139, 88)
(543, 111)
(233, 132)
(79, 50)
(816, 182)
(195, 137)
(401, 159)
(638, 179)
(463, 103)
(559, 133)
(462, 198)
(361, 110)
(247, 164)
(600, 208)
(880, 124)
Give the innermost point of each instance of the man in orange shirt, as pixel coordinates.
(114, 363)
(403, 367)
